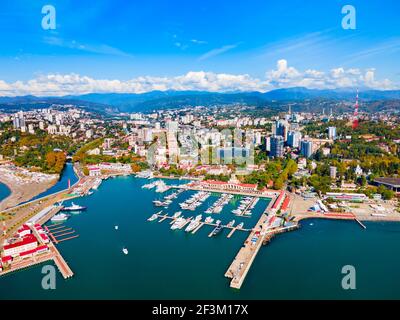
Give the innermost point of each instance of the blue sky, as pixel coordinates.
(125, 40)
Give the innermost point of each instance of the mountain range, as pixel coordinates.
(132, 102)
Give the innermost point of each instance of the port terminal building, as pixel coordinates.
(390, 183)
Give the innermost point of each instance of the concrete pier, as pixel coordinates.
(240, 266)
(60, 262)
(232, 232)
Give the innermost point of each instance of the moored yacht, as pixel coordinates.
(193, 224)
(217, 229)
(74, 207)
(179, 223)
(153, 217)
(177, 214)
(209, 220)
(231, 223)
(59, 217)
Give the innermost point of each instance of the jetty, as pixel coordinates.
(198, 228)
(232, 232)
(58, 233)
(360, 223)
(61, 263)
(163, 217)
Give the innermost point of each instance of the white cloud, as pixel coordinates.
(92, 48)
(283, 76)
(218, 51)
(196, 41)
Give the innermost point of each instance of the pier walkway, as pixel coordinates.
(203, 223)
(261, 233)
(240, 266)
(60, 262)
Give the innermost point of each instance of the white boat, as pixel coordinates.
(153, 217)
(199, 217)
(149, 185)
(179, 223)
(116, 227)
(74, 207)
(240, 225)
(193, 225)
(177, 214)
(217, 209)
(145, 174)
(231, 223)
(125, 250)
(59, 217)
(209, 220)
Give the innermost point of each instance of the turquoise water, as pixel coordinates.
(62, 184)
(166, 264)
(4, 191)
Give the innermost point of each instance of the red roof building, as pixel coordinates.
(285, 204)
(44, 237)
(278, 202)
(6, 259)
(221, 185)
(42, 248)
(24, 230)
(28, 242)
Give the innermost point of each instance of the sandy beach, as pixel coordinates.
(23, 184)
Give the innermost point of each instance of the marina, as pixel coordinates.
(266, 227)
(218, 205)
(178, 222)
(245, 206)
(264, 271)
(195, 200)
(191, 224)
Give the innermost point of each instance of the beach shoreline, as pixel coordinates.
(23, 192)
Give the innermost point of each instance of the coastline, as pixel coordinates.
(23, 192)
(360, 218)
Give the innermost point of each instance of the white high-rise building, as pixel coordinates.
(257, 138)
(332, 172)
(171, 126)
(89, 133)
(332, 133)
(294, 138)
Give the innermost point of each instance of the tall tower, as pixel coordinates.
(355, 121)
